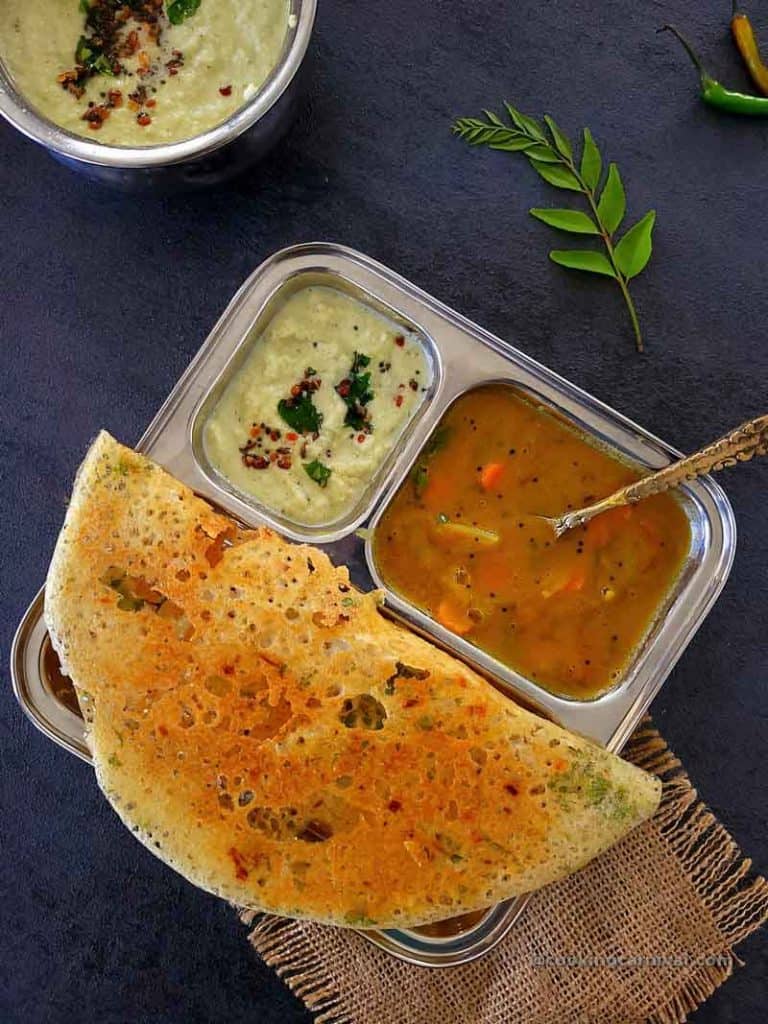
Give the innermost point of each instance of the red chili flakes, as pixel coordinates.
(255, 461)
(162, 730)
(284, 462)
(400, 341)
(291, 436)
(398, 400)
(344, 388)
(394, 805)
(254, 431)
(143, 119)
(130, 44)
(226, 90)
(95, 116)
(70, 81)
(151, 103)
(360, 438)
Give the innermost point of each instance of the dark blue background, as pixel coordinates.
(106, 298)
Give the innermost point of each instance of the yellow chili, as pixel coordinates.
(746, 41)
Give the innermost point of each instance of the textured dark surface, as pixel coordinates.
(106, 298)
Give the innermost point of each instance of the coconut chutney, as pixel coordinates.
(140, 72)
(316, 407)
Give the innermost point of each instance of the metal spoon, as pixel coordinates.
(739, 445)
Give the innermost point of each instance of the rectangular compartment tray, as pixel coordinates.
(463, 355)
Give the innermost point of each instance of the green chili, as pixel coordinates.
(715, 94)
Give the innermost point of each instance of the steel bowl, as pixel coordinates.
(206, 159)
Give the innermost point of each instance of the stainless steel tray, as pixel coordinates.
(463, 356)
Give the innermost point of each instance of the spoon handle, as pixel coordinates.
(740, 445)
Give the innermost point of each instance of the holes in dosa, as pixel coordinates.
(285, 823)
(136, 593)
(215, 550)
(257, 719)
(315, 831)
(363, 712)
(321, 817)
(403, 671)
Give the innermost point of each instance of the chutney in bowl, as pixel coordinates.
(463, 540)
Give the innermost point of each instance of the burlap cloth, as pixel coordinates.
(674, 898)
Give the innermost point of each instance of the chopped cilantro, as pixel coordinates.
(90, 56)
(300, 413)
(582, 783)
(180, 10)
(438, 441)
(420, 479)
(316, 471)
(597, 789)
(355, 391)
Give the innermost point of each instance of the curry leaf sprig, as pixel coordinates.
(552, 156)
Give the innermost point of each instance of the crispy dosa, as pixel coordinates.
(262, 728)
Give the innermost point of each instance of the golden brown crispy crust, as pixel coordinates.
(268, 733)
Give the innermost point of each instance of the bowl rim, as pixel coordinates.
(36, 126)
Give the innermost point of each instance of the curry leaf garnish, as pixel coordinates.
(591, 161)
(612, 204)
(582, 259)
(634, 249)
(575, 221)
(541, 154)
(558, 176)
(554, 160)
(316, 471)
(562, 142)
(180, 10)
